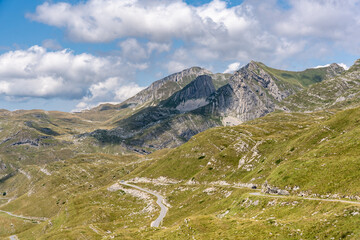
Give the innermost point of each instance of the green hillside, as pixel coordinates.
(287, 149)
(302, 78)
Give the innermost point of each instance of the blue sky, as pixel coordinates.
(72, 55)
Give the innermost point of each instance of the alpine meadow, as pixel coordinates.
(161, 119)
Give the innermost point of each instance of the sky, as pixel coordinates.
(73, 55)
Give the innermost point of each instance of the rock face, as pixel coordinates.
(251, 93)
(193, 96)
(154, 94)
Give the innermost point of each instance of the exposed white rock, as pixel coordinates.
(191, 104)
(230, 121)
(28, 176)
(210, 190)
(192, 182)
(45, 171)
(223, 214)
(135, 193)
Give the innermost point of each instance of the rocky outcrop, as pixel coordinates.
(266, 188)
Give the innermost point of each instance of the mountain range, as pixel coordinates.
(167, 116)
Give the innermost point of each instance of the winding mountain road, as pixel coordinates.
(159, 201)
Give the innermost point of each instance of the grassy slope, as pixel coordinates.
(39, 137)
(301, 79)
(226, 213)
(74, 194)
(317, 152)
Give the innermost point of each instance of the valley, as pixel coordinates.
(258, 154)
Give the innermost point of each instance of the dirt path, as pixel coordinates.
(159, 201)
(307, 198)
(23, 217)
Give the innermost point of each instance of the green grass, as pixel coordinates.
(301, 79)
(12, 225)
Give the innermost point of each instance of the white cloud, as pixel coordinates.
(51, 44)
(321, 18)
(259, 30)
(132, 50)
(174, 66)
(233, 67)
(344, 66)
(126, 92)
(158, 47)
(106, 20)
(322, 66)
(112, 89)
(327, 65)
(39, 73)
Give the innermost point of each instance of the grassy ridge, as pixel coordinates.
(302, 78)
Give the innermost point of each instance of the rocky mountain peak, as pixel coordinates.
(251, 66)
(165, 87)
(333, 70)
(179, 76)
(254, 75)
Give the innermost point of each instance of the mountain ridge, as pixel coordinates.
(251, 92)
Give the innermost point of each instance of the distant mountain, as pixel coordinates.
(152, 95)
(253, 91)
